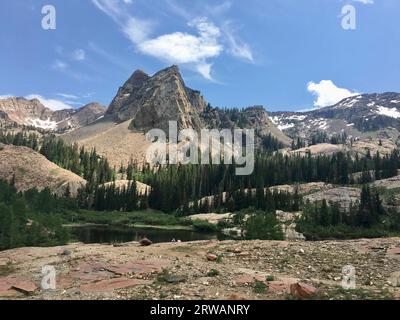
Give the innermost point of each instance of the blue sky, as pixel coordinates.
(283, 54)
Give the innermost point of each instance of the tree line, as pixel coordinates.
(173, 186)
(365, 218)
(30, 219)
(87, 164)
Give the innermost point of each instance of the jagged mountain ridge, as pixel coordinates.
(152, 101)
(366, 115)
(24, 112)
(149, 102)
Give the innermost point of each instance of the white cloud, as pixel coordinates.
(52, 104)
(193, 50)
(328, 93)
(184, 48)
(79, 55)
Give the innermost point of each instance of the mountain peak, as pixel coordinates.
(24, 112)
(137, 78)
(153, 101)
(172, 71)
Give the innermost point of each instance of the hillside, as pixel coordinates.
(362, 116)
(23, 112)
(32, 170)
(115, 141)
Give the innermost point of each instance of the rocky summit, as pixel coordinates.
(32, 113)
(149, 102)
(153, 101)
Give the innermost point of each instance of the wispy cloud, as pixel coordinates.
(195, 50)
(70, 99)
(67, 96)
(237, 47)
(52, 104)
(64, 68)
(327, 93)
(184, 48)
(135, 29)
(365, 1)
(111, 58)
(60, 65)
(79, 55)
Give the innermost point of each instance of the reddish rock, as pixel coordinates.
(235, 297)
(212, 257)
(247, 279)
(112, 284)
(138, 267)
(25, 286)
(302, 290)
(4, 287)
(145, 242)
(278, 287)
(120, 270)
(283, 244)
(65, 282)
(394, 250)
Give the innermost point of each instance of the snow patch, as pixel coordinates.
(296, 117)
(43, 124)
(348, 103)
(321, 123)
(275, 120)
(389, 112)
(285, 126)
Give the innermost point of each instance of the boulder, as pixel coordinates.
(212, 257)
(302, 290)
(25, 286)
(145, 242)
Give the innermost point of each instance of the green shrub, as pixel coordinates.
(259, 287)
(263, 226)
(212, 273)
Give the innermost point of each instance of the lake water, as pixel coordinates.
(110, 234)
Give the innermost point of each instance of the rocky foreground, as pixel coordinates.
(232, 270)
